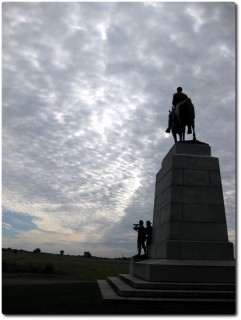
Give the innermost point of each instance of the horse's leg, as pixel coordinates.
(194, 134)
(183, 134)
(169, 124)
(174, 136)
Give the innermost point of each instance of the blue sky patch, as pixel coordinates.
(15, 222)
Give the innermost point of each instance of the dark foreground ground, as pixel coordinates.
(36, 299)
(85, 298)
(69, 287)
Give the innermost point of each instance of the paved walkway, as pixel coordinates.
(20, 282)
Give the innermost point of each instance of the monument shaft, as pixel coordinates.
(189, 216)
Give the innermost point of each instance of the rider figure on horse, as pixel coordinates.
(179, 96)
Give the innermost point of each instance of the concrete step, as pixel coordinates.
(110, 295)
(107, 292)
(125, 290)
(143, 284)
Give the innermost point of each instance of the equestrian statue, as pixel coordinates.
(181, 115)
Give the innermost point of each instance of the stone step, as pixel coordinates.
(125, 290)
(110, 295)
(143, 284)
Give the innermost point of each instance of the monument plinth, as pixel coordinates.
(189, 217)
(189, 223)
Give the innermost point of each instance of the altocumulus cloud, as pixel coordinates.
(86, 93)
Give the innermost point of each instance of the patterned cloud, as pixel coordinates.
(86, 93)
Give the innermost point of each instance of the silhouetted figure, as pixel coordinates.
(148, 232)
(181, 115)
(141, 237)
(179, 96)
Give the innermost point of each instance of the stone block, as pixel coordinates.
(169, 212)
(200, 213)
(215, 179)
(191, 148)
(161, 215)
(189, 212)
(177, 176)
(194, 162)
(205, 231)
(161, 232)
(186, 250)
(163, 183)
(188, 230)
(162, 199)
(181, 271)
(194, 195)
(193, 177)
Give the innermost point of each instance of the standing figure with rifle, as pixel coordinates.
(141, 237)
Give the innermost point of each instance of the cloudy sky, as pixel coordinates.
(86, 93)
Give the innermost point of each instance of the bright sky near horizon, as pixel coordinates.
(86, 89)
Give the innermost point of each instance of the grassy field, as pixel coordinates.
(29, 265)
(76, 298)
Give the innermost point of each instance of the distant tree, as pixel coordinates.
(37, 250)
(87, 254)
(61, 252)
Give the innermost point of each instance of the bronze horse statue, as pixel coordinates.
(182, 115)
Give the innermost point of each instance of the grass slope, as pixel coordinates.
(27, 265)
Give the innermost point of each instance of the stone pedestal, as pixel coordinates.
(190, 239)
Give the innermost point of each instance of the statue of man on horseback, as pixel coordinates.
(181, 115)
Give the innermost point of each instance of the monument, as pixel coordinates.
(190, 258)
(191, 261)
